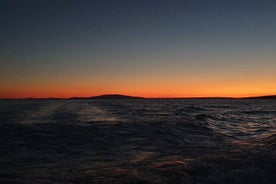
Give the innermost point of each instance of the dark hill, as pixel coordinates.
(262, 97)
(115, 96)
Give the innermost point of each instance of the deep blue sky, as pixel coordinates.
(150, 47)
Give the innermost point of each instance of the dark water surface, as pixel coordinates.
(137, 141)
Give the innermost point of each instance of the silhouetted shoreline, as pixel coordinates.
(262, 97)
(110, 96)
(127, 97)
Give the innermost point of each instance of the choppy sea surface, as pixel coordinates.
(166, 141)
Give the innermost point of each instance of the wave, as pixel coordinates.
(161, 141)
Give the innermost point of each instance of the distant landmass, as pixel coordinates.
(262, 97)
(126, 97)
(115, 96)
(110, 96)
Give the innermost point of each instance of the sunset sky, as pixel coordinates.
(150, 48)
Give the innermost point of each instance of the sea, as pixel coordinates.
(151, 141)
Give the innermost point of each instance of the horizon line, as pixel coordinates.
(141, 97)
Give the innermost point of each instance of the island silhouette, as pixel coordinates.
(128, 97)
(110, 96)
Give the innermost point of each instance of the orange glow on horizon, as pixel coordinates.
(155, 86)
(160, 91)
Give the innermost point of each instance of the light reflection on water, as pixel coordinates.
(91, 113)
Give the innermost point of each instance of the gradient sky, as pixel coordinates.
(151, 48)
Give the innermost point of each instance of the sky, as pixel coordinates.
(150, 48)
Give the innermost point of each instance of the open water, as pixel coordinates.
(166, 141)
